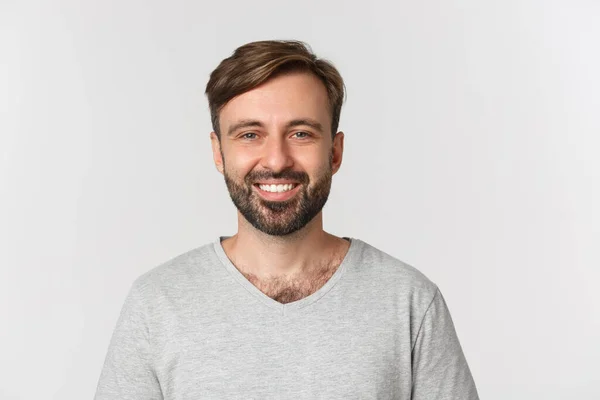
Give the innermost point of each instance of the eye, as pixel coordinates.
(249, 136)
(301, 134)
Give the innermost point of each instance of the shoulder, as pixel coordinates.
(391, 276)
(376, 262)
(174, 276)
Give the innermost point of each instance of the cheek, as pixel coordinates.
(319, 162)
(238, 163)
(311, 158)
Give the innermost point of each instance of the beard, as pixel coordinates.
(280, 218)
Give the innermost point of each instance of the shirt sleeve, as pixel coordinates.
(127, 372)
(439, 367)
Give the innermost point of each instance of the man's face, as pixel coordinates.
(276, 152)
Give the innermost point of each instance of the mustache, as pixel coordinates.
(298, 176)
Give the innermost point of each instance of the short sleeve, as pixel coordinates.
(127, 372)
(439, 367)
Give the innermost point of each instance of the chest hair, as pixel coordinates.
(288, 289)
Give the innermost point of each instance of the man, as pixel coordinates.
(282, 309)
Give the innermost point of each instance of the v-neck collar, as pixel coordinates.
(294, 306)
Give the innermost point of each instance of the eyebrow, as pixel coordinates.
(247, 123)
(307, 122)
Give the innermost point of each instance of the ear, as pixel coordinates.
(216, 149)
(338, 152)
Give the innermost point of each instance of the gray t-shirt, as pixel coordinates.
(195, 328)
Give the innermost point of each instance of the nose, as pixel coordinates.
(276, 156)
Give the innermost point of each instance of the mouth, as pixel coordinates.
(279, 192)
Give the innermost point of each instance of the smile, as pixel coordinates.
(277, 188)
(279, 192)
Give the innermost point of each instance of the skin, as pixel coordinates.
(290, 266)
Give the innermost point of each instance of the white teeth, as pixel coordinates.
(276, 188)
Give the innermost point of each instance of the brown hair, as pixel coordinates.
(254, 63)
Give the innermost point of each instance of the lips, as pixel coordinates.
(277, 196)
(277, 188)
(277, 182)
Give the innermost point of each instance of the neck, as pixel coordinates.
(267, 256)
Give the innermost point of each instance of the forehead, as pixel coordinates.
(281, 99)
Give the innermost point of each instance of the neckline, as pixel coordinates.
(294, 306)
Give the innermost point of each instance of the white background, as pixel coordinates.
(471, 153)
